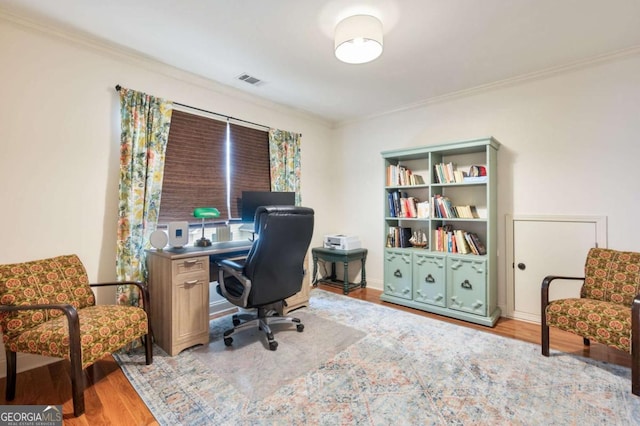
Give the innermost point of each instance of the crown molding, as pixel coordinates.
(508, 82)
(139, 59)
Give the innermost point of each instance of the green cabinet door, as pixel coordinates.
(467, 280)
(429, 279)
(397, 273)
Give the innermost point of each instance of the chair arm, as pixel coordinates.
(141, 286)
(232, 264)
(232, 268)
(69, 311)
(546, 282)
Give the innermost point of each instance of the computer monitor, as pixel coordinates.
(251, 200)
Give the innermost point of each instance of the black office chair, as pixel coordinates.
(272, 271)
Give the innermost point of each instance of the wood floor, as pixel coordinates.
(111, 400)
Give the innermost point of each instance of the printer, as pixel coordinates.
(341, 242)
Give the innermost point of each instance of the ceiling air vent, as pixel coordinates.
(250, 79)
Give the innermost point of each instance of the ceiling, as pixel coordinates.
(432, 48)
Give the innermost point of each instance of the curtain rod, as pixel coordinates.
(118, 87)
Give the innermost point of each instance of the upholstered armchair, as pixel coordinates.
(608, 310)
(47, 308)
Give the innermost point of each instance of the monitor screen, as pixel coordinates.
(251, 200)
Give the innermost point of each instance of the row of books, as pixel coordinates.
(443, 208)
(448, 173)
(402, 237)
(398, 236)
(402, 176)
(450, 240)
(401, 205)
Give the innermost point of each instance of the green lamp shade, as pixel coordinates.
(206, 212)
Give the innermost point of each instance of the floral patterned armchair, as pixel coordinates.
(608, 310)
(47, 308)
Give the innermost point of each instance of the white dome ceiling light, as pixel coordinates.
(358, 39)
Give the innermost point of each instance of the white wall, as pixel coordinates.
(59, 143)
(569, 147)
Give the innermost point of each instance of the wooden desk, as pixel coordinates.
(179, 292)
(344, 256)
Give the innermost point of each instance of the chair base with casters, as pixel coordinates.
(263, 320)
(608, 309)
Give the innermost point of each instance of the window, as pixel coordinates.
(197, 173)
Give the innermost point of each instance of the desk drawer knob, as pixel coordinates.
(191, 282)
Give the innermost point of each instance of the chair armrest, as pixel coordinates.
(141, 286)
(69, 311)
(234, 269)
(546, 282)
(235, 264)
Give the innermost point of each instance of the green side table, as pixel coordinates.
(344, 256)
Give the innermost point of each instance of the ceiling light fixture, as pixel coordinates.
(358, 39)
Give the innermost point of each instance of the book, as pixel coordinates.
(423, 209)
(461, 242)
(478, 244)
(405, 236)
(472, 247)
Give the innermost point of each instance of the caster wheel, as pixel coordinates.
(273, 345)
(300, 328)
(228, 341)
(236, 322)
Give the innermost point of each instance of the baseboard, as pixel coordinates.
(25, 362)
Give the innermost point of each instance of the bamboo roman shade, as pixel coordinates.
(195, 171)
(249, 163)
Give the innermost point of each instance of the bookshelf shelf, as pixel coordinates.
(456, 273)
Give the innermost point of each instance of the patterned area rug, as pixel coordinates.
(397, 368)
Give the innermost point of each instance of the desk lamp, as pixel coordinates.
(205, 213)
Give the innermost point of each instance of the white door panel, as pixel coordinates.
(544, 247)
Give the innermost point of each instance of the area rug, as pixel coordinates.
(256, 371)
(403, 370)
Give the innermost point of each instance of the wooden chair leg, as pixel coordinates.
(148, 344)
(544, 327)
(10, 391)
(75, 356)
(77, 386)
(545, 337)
(635, 346)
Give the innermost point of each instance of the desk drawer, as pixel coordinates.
(190, 265)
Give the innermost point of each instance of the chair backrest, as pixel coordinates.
(61, 279)
(275, 263)
(611, 276)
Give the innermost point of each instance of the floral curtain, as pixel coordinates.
(284, 159)
(145, 124)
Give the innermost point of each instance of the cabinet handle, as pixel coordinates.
(466, 284)
(191, 282)
(397, 273)
(429, 279)
(191, 262)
